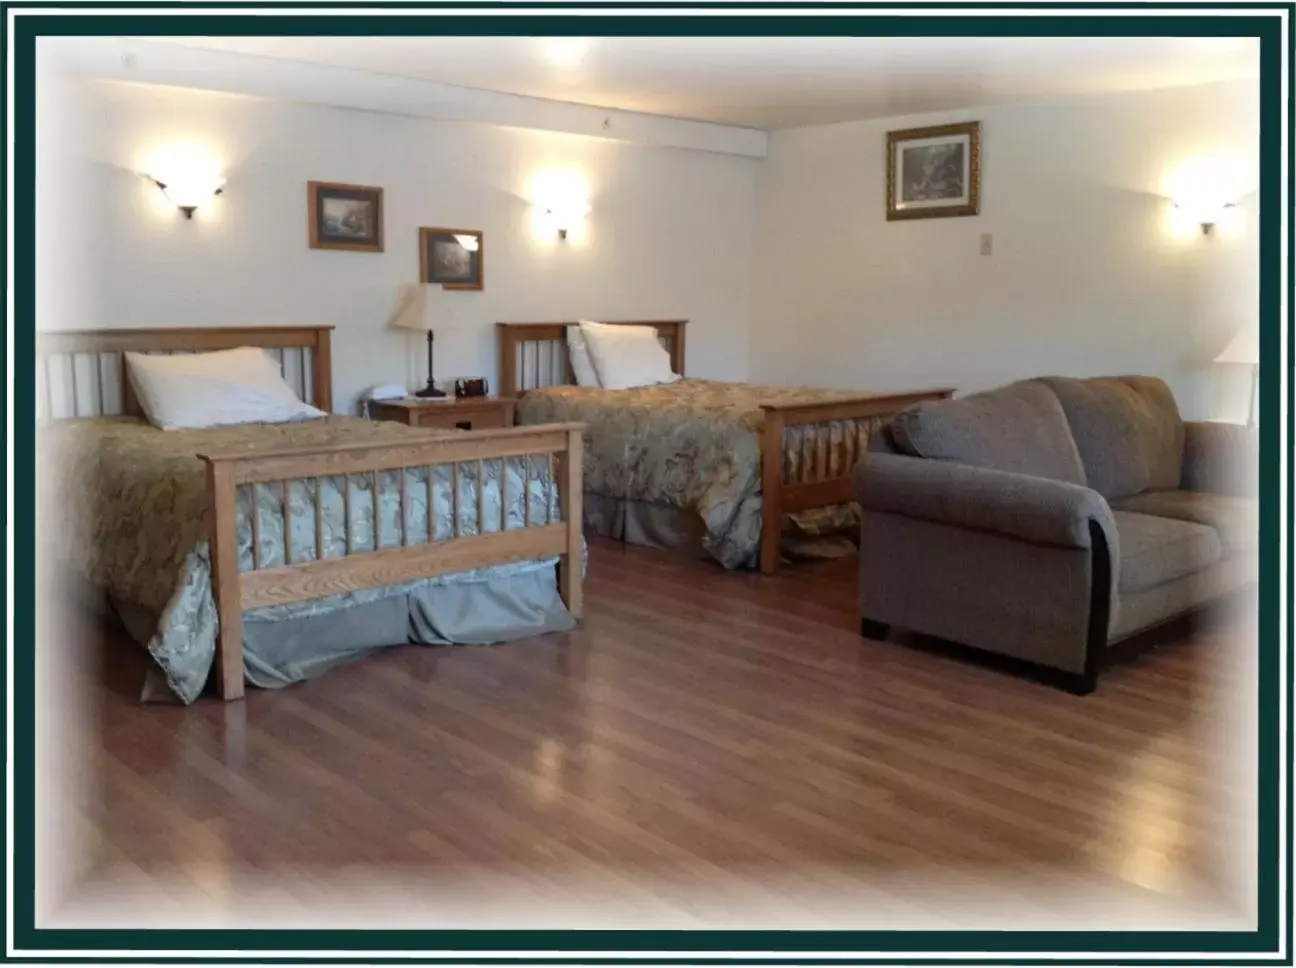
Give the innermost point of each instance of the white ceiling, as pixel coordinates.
(774, 82)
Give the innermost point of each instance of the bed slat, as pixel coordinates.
(128, 402)
(287, 522)
(97, 373)
(549, 486)
(256, 526)
(404, 507)
(319, 518)
(76, 394)
(504, 494)
(431, 502)
(346, 509)
(49, 391)
(481, 497)
(526, 491)
(454, 499)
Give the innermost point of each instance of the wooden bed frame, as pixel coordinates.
(88, 388)
(547, 342)
(523, 342)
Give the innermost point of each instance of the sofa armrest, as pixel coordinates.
(1220, 458)
(1016, 505)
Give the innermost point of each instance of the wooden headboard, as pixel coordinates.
(73, 379)
(533, 355)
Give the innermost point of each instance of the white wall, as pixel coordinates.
(1085, 277)
(669, 235)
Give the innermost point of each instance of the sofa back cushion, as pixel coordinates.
(1128, 431)
(1019, 428)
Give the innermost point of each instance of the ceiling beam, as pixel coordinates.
(173, 64)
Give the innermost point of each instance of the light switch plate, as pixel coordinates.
(987, 243)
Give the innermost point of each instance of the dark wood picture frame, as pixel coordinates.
(428, 275)
(969, 129)
(317, 192)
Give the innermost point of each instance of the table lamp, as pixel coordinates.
(1244, 348)
(413, 312)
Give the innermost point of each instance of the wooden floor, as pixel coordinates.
(709, 746)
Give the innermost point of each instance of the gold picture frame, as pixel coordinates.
(934, 172)
(454, 258)
(347, 217)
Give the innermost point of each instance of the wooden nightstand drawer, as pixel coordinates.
(467, 413)
(453, 418)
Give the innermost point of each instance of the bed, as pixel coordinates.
(742, 471)
(365, 535)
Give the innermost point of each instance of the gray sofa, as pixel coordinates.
(1052, 518)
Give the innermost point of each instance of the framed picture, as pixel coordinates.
(345, 216)
(452, 257)
(934, 172)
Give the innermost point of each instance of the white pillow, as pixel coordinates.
(193, 390)
(627, 356)
(582, 365)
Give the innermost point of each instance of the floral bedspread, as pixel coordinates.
(124, 508)
(695, 445)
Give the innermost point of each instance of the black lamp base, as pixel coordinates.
(429, 391)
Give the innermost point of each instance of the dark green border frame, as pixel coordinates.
(95, 18)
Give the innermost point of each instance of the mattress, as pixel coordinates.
(126, 503)
(694, 445)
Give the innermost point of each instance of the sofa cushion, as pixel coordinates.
(1127, 429)
(1019, 428)
(1236, 519)
(1155, 550)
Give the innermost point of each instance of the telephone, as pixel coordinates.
(383, 391)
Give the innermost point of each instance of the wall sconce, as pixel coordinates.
(1207, 214)
(559, 200)
(187, 193)
(187, 174)
(1204, 192)
(566, 217)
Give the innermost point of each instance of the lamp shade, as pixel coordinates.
(412, 308)
(1244, 347)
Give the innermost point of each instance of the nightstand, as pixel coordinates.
(463, 413)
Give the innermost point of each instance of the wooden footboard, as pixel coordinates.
(236, 590)
(817, 485)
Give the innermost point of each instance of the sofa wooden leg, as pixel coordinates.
(877, 631)
(1081, 684)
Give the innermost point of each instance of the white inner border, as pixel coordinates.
(1060, 956)
(902, 146)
